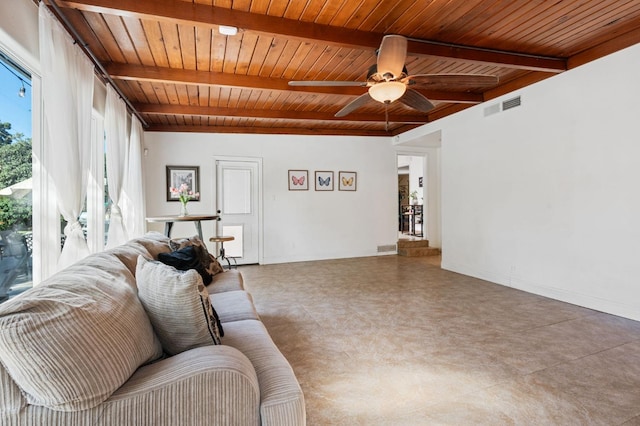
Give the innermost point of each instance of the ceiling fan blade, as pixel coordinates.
(354, 104)
(327, 83)
(391, 56)
(452, 79)
(416, 100)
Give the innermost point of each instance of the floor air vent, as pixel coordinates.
(511, 103)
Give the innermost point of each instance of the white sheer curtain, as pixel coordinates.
(67, 93)
(117, 146)
(133, 187)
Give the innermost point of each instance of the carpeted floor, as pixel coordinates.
(397, 341)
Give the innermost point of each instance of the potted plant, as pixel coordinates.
(184, 193)
(414, 198)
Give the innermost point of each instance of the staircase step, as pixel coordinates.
(402, 243)
(419, 251)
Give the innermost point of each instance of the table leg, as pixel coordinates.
(167, 228)
(199, 228)
(223, 255)
(413, 224)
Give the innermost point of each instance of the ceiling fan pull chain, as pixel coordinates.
(386, 116)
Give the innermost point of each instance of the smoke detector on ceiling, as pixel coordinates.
(228, 31)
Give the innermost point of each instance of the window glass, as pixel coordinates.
(16, 231)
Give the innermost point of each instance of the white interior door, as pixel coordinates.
(237, 188)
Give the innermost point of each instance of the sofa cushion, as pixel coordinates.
(234, 306)
(70, 342)
(128, 254)
(178, 306)
(229, 280)
(153, 242)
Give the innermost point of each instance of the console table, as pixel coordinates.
(170, 220)
(413, 215)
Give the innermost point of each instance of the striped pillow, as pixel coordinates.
(70, 342)
(178, 306)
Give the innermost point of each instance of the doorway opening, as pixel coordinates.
(411, 197)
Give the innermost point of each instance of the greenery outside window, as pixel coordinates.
(16, 207)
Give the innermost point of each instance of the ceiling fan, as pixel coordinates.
(388, 80)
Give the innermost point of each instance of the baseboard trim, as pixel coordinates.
(325, 256)
(614, 307)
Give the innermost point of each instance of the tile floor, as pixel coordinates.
(394, 340)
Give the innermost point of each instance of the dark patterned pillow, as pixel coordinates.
(184, 259)
(209, 261)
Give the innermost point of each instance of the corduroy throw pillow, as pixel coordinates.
(178, 306)
(70, 345)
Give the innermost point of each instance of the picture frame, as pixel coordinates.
(298, 180)
(324, 180)
(177, 175)
(347, 181)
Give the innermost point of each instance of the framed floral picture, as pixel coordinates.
(181, 179)
(298, 180)
(347, 181)
(324, 181)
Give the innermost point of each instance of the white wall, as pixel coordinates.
(19, 31)
(546, 197)
(416, 165)
(416, 170)
(298, 225)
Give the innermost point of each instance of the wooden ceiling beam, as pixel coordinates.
(266, 130)
(209, 78)
(486, 56)
(204, 15)
(205, 111)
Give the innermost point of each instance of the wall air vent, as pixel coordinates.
(491, 109)
(511, 103)
(387, 248)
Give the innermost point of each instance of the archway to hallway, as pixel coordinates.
(418, 161)
(411, 197)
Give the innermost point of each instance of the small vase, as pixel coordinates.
(183, 209)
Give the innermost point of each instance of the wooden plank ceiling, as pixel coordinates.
(170, 61)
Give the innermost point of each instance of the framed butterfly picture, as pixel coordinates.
(347, 181)
(298, 180)
(324, 181)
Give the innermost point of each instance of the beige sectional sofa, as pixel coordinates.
(80, 349)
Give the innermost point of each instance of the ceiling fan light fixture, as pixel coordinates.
(387, 91)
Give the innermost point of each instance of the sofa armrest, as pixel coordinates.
(281, 398)
(206, 385)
